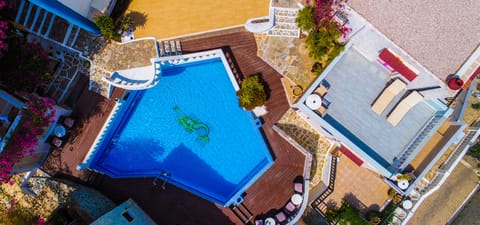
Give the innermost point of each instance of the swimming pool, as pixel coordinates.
(188, 130)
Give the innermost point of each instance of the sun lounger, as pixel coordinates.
(258, 222)
(321, 90)
(322, 111)
(298, 187)
(399, 112)
(387, 96)
(290, 207)
(281, 217)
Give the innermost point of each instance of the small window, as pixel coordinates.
(128, 216)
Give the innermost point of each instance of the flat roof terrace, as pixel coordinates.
(355, 83)
(171, 18)
(439, 34)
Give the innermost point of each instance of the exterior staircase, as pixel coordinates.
(169, 48)
(284, 23)
(318, 204)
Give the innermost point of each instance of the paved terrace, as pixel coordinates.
(173, 205)
(114, 56)
(359, 186)
(439, 34)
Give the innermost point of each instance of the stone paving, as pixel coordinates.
(52, 193)
(305, 135)
(70, 64)
(115, 57)
(89, 44)
(288, 56)
(285, 3)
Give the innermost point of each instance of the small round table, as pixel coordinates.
(403, 184)
(60, 131)
(314, 101)
(297, 199)
(407, 204)
(269, 221)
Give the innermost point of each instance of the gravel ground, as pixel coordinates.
(470, 214)
(440, 34)
(439, 207)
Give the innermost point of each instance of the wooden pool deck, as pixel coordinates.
(173, 205)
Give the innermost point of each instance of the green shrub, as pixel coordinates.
(391, 193)
(476, 106)
(345, 215)
(107, 27)
(125, 23)
(17, 215)
(252, 93)
(475, 151)
(59, 216)
(305, 18)
(317, 68)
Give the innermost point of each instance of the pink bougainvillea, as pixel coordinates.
(42, 221)
(4, 26)
(4, 29)
(325, 11)
(36, 117)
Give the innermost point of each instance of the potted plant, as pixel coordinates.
(107, 27)
(125, 23)
(252, 92)
(403, 177)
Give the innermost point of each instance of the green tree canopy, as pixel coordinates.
(322, 44)
(305, 18)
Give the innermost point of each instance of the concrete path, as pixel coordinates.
(470, 214)
(439, 207)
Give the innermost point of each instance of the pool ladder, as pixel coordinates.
(242, 212)
(164, 174)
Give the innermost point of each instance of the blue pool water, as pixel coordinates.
(148, 139)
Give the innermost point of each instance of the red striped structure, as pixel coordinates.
(347, 152)
(395, 64)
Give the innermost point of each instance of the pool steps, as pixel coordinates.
(136, 78)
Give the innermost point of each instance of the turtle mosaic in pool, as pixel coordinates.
(190, 125)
